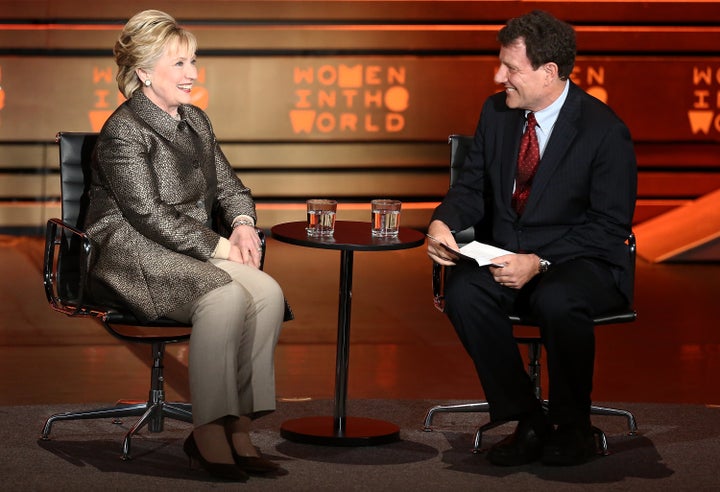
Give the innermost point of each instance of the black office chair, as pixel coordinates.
(460, 146)
(67, 252)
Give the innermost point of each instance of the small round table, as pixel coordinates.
(341, 430)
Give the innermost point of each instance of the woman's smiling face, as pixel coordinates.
(171, 78)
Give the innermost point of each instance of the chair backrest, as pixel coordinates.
(632, 253)
(75, 164)
(459, 149)
(67, 248)
(460, 146)
(76, 150)
(65, 279)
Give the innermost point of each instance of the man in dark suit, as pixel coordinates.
(569, 236)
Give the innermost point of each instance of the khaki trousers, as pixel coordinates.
(234, 332)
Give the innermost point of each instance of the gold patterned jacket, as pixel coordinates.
(156, 184)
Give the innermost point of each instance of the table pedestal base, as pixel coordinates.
(359, 431)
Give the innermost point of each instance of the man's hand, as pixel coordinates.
(440, 234)
(518, 269)
(245, 246)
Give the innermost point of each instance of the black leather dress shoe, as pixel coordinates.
(523, 446)
(569, 445)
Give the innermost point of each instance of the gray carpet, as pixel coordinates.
(678, 449)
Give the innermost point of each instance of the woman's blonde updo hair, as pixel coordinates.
(141, 44)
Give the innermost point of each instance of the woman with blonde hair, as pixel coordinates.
(159, 178)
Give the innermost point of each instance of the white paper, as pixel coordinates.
(479, 252)
(483, 253)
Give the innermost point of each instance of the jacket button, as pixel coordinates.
(200, 204)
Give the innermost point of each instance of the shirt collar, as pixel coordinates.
(546, 117)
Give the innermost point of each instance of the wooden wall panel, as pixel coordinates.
(355, 99)
(388, 98)
(349, 11)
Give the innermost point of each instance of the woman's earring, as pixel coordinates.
(148, 82)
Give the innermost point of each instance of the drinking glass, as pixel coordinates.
(321, 217)
(385, 217)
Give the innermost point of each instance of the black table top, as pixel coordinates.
(348, 236)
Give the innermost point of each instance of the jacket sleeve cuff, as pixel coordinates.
(222, 250)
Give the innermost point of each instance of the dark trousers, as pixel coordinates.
(563, 301)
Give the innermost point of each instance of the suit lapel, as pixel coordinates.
(562, 136)
(511, 146)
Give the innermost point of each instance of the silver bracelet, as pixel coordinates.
(240, 222)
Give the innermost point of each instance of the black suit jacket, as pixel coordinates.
(583, 196)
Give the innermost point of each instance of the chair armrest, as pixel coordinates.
(439, 272)
(438, 286)
(261, 235)
(288, 314)
(67, 255)
(65, 265)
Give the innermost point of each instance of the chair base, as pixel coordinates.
(152, 415)
(483, 406)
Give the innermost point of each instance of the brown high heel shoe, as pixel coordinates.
(219, 470)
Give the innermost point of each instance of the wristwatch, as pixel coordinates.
(544, 265)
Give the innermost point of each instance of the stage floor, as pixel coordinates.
(401, 347)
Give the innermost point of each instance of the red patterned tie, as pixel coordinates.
(528, 160)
